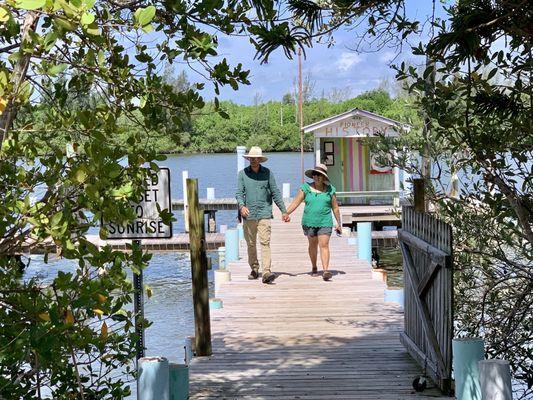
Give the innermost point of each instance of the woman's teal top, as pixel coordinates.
(317, 211)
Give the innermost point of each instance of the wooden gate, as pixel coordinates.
(426, 245)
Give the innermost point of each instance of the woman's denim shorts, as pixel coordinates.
(313, 231)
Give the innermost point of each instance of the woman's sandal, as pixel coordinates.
(326, 275)
(314, 271)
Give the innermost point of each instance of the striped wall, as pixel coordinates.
(350, 172)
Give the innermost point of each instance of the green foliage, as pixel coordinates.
(84, 75)
(272, 125)
(480, 111)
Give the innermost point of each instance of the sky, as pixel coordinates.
(339, 67)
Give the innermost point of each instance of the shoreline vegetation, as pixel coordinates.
(272, 125)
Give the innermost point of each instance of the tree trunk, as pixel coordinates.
(18, 77)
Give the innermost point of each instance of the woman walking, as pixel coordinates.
(317, 223)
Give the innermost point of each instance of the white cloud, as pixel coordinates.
(347, 61)
(387, 56)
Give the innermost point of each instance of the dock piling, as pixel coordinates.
(178, 381)
(221, 276)
(221, 258)
(466, 354)
(286, 190)
(232, 245)
(495, 380)
(184, 177)
(364, 241)
(241, 150)
(153, 378)
(200, 288)
(419, 195)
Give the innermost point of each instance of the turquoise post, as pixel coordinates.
(394, 295)
(178, 382)
(232, 245)
(152, 381)
(240, 229)
(241, 150)
(467, 352)
(364, 241)
(215, 303)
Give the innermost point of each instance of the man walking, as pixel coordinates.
(256, 190)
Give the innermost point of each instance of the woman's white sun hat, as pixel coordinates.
(256, 152)
(319, 169)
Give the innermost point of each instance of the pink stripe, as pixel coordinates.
(351, 165)
(360, 159)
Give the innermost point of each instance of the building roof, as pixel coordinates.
(354, 113)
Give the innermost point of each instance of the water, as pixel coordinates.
(219, 171)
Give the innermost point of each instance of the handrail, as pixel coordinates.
(370, 193)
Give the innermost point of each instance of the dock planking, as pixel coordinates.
(303, 338)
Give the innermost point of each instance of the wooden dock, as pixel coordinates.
(303, 338)
(178, 242)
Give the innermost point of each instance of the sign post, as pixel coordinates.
(138, 306)
(148, 225)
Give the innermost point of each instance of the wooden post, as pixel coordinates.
(184, 177)
(200, 289)
(419, 195)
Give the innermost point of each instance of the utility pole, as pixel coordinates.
(300, 112)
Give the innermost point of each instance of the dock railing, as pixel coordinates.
(395, 194)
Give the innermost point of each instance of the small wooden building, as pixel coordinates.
(342, 144)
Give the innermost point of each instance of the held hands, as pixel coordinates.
(244, 211)
(338, 229)
(285, 217)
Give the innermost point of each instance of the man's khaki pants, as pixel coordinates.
(251, 230)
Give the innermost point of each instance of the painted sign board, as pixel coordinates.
(148, 224)
(356, 127)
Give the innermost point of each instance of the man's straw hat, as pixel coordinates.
(319, 169)
(256, 152)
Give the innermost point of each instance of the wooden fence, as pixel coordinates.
(426, 245)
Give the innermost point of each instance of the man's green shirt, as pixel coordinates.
(256, 191)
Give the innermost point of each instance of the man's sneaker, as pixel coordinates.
(253, 275)
(268, 277)
(326, 275)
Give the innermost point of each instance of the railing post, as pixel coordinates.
(364, 241)
(232, 245)
(184, 177)
(241, 150)
(286, 190)
(396, 197)
(200, 289)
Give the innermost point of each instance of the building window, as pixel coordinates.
(329, 154)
